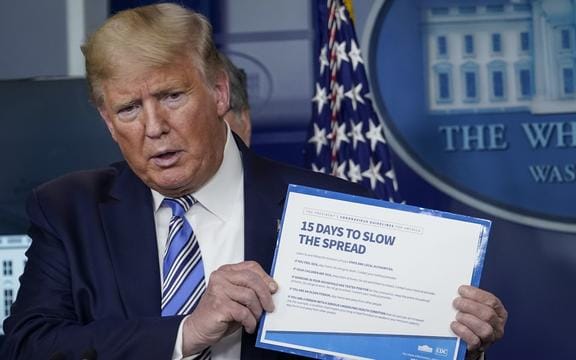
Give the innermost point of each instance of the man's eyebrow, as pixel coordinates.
(119, 106)
(164, 92)
(171, 89)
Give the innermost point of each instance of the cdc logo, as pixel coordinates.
(479, 98)
(441, 351)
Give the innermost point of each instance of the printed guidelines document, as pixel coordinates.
(367, 279)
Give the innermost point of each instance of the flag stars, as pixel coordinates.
(347, 139)
(340, 136)
(375, 135)
(391, 174)
(355, 96)
(340, 171)
(319, 138)
(341, 54)
(355, 55)
(337, 96)
(320, 98)
(356, 134)
(316, 168)
(324, 59)
(373, 174)
(341, 16)
(354, 173)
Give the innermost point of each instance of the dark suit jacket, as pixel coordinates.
(92, 282)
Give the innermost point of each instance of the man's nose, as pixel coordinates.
(156, 121)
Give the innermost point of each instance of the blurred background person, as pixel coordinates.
(238, 115)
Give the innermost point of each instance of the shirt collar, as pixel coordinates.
(224, 187)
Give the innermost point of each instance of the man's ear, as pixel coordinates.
(222, 92)
(108, 120)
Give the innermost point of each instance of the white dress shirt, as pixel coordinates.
(218, 222)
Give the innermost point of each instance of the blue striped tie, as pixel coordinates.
(183, 271)
(183, 280)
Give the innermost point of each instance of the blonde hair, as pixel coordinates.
(149, 36)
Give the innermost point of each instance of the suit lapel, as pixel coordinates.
(128, 221)
(264, 193)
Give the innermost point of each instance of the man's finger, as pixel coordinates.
(248, 277)
(484, 297)
(481, 311)
(242, 315)
(254, 267)
(482, 329)
(246, 297)
(484, 306)
(463, 332)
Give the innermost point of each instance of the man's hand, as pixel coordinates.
(236, 296)
(480, 319)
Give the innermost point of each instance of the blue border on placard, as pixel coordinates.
(366, 345)
(263, 318)
(343, 343)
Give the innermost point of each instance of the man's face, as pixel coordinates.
(168, 124)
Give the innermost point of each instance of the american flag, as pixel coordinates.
(346, 138)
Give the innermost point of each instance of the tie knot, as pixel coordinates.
(179, 205)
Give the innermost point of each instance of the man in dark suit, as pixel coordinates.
(94, 281)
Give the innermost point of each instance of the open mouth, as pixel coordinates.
(166, 159)
(166, 155)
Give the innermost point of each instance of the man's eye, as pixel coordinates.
(127, 111)
(174, 96)
(174, 99)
